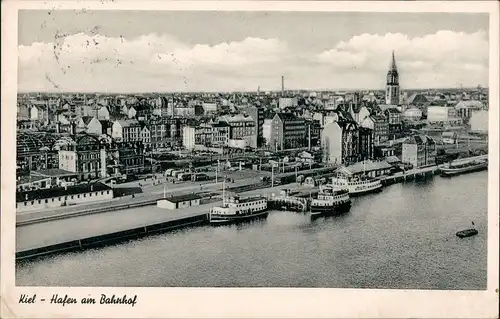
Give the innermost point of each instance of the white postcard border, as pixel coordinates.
(242, 302)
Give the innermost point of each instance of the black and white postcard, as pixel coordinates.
(181, 158)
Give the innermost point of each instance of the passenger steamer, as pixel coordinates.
(236, 209)
(358, 186)
(452, 169)
(331, 200)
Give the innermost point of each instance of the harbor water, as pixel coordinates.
(403, 237)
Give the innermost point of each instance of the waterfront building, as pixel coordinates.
(287, 132)
(479, 121)
(126, 130)
(365, 168)
(85, 157)
(392, 84)
(178, 202)
(419, 150)
(62, 196)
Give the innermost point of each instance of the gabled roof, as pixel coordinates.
(86, 119)
(469, 104)
(128, 123)
(421, 139)
(287, 116)
(393, 111)
(366, 166)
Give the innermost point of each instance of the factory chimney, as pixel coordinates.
(282, 85)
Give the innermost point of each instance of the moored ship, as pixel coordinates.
(358, 185)
(330, 200)
(452, 169)
(236, 209)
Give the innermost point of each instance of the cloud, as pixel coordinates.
(454, 54)
(82, 62)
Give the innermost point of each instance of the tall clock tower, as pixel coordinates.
(392, 84)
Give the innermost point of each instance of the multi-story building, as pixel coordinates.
(221, 131)
(257, 114)
(85, 157)
(313, 134)
(126, 157)
(393, 116)
(126, 131)
(266, 130)
(366, 150)
(145, 136)
(242, 128)
(35, 151)
(203, 134)
(331, 141)
(419, 150)
(189, 137)
(379, 126)
(288, 132)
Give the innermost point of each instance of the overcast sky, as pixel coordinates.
(127, 51)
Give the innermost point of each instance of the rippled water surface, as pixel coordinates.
(403, 237)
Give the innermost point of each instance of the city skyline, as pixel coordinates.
(82, 52)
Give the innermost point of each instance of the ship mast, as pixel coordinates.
(224, 192)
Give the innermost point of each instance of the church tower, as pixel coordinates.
(392, 85)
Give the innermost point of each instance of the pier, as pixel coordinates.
(113, 238)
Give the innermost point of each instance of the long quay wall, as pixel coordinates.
(113, 238)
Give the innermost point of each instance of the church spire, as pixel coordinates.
(393, 64)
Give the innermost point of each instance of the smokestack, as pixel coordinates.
(282, 84)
